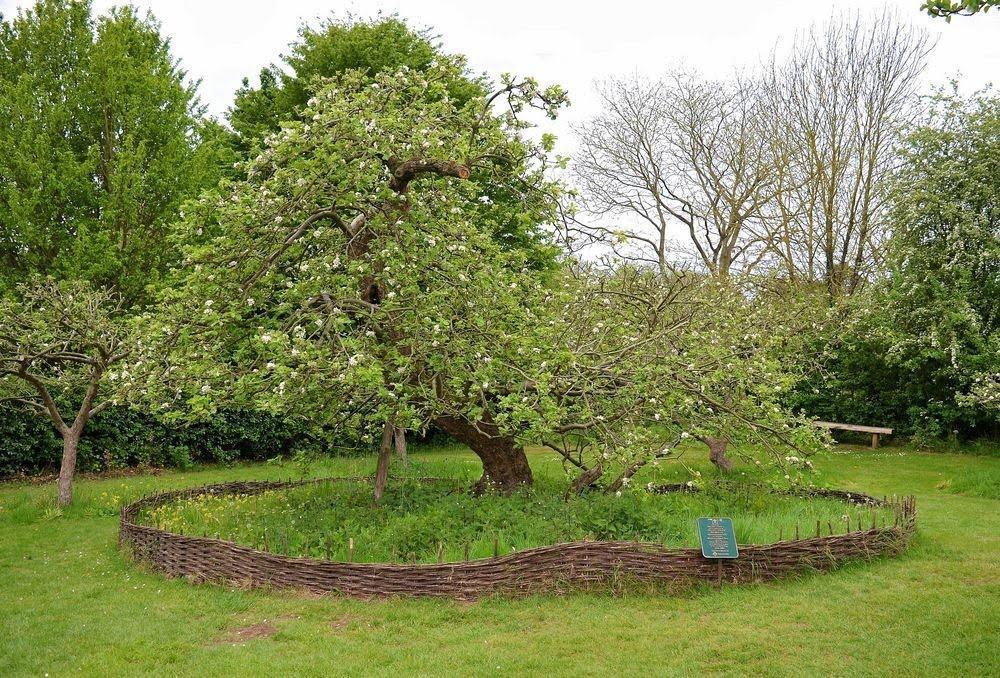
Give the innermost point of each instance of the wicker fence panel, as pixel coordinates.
(547, 568)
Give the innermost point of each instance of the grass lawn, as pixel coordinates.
(69, 603)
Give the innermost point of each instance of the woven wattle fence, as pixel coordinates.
(581, 564)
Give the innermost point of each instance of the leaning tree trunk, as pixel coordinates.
(717, 453)
(71, 441)
(505, 466)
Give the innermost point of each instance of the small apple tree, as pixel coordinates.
(59, 345)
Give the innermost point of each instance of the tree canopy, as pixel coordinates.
(335, 46)
(100, 129)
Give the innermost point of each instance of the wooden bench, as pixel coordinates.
(875, 431)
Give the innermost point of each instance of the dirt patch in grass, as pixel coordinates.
(245, 633)
(341, 623)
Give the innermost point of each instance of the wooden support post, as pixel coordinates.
(874, 441)
(440, 552)
(496, 547)
(466, 551)
(350, 549)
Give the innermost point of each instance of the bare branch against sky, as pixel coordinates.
(575, 44)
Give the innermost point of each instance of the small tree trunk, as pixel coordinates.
(717, 453)
(71, 441)
(505, 466)
(384, 453)
(400, 442)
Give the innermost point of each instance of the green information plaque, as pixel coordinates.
(718, 540)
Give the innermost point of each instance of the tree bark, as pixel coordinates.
(400, 443)
(71, 442)
(505, 466)
(717, 453)
(384, 453)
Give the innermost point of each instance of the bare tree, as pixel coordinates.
(623, 170)
(60, 340)
(679, 154)
(839, 101)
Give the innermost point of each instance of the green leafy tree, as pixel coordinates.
(100, 130)
(384, 44)
(59, 345)
(335, 46)
(943, 300)
(922, 351)
(363, 290)
(949, 8)
(350, 277)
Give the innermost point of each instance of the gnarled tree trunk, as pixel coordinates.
(505, 466)
(717, 453)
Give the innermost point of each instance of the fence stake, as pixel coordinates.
(329, 548)
(440, 551)
(496, 547)
(781, 533)
(796, 531)
(350, 549)
(393, 553)
(848, 524)
(265, 540)
(818, 528)
(466, 551)
(829, 524)
(284, 543)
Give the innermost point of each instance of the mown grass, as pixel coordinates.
(71, 604)
(422, 522)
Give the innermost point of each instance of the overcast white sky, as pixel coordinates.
(572, 43)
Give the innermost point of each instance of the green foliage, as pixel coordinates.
(414, 518)
(950, 8)
(100, 131)
(334, 285)
(380, 46)
(384, 44)
(921, 351)
(122, 438)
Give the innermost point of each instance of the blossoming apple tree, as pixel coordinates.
(352, 277)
